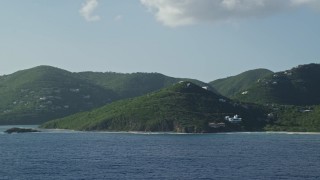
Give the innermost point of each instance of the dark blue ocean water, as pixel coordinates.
(76, 155)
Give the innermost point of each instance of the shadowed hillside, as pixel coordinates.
(134, 84)
(183, 107)
(298, 86)
(42, 93)
(233, 85)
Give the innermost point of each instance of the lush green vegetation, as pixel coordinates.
(295, 119)
(184, 107)
(233, 85)
(134, 84)
(44, 93)
(298, 86)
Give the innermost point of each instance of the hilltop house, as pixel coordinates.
(234, 119)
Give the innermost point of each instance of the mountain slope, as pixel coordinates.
(42, 93)
(233, 85)
(295, 119)
(39, 94)
(183, 107)
(298, 86)
(134, 84)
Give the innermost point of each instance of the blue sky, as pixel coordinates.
(201, 39)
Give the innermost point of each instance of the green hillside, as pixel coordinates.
(295, 119)
(183, 107)
(233, 85)
(128, 85)
(298, 86)
(42, 93)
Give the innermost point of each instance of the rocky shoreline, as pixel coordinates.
(20, 130)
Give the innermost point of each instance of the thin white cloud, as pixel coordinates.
(88, 8)
(302, 2)
(175, 13)
(311, 3)
(118, 18)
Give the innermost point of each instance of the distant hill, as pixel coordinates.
(183, 107)
(128, 85)
(298, 86)
(233, 85)
(42, 93)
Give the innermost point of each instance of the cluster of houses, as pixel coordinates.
(236, 119)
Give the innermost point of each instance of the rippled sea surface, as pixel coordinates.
(78, 155)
